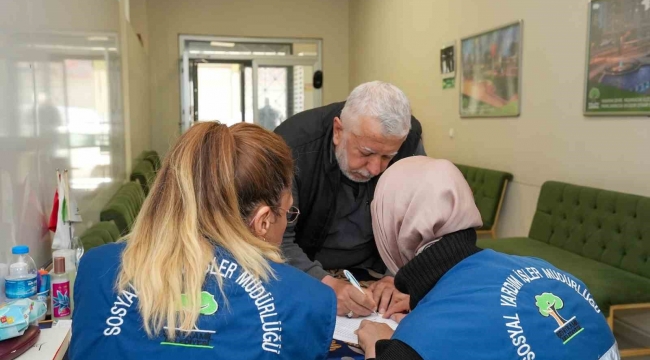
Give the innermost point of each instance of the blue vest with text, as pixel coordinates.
(498, 306)
(292, 317)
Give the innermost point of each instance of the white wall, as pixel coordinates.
(135, 80)
(251, 18)
(139, 93)
(400, 42)
(139, 20)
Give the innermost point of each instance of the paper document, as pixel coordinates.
(346, 327)
(51, 345)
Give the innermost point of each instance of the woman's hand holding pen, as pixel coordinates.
(349, 300)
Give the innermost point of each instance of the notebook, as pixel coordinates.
(345, 327)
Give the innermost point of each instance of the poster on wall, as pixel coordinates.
(490, 78)
(448, 66)
(618, 58)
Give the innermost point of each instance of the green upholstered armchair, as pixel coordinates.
(489, 188)
(124, 206)
(109, 227)
(101, 233)
(145, 174)
(150, 156)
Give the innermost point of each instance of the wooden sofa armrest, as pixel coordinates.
(493, 231)
(610, 320)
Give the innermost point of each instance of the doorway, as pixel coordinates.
(247, 80)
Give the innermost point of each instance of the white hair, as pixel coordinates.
(382, 101)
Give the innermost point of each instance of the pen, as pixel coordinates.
(355, 283)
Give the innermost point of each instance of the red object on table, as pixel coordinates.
(13, 348)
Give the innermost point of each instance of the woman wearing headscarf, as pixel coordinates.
(469, 303)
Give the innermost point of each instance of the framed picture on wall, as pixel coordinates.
(490, 77)
(617, 78)
(448, 65)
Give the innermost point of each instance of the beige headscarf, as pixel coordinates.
(417, 201)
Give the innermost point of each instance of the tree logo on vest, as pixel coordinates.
(548, 305)
(196, 338)
(209, 305)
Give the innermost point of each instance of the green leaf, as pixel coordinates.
(209, 305)
(546, 302)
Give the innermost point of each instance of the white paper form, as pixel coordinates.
(345, 327)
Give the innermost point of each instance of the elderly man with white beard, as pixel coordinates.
(340, 151)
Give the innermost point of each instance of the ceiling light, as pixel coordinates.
(97, 38)
(222, 44)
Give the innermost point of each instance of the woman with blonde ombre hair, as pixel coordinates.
(201, 273)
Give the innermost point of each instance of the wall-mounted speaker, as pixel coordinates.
(318, 79)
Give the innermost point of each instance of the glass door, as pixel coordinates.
(220, 89)
(284, 87)
(262, 81)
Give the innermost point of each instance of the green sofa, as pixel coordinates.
(124, 206)
(145, 174)
(104, 232)
(602, 237)
(489, 189)
(152, 157)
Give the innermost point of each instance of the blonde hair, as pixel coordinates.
(209, 184)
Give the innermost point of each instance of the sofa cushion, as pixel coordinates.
(119, 214)
(134, 190)
(607, 284)
(487, 186)
(145, 173)
(153, 158)
(609, 227)
(103, 234)
(90, 241)
(110, 227)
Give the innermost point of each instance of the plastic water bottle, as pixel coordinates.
(21, 282)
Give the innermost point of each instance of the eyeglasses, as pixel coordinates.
(292, 214)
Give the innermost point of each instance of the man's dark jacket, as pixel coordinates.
(317, 174)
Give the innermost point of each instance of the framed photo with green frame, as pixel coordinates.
(617, 76)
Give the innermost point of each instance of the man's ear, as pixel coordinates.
(261, 221)
(338, 131)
